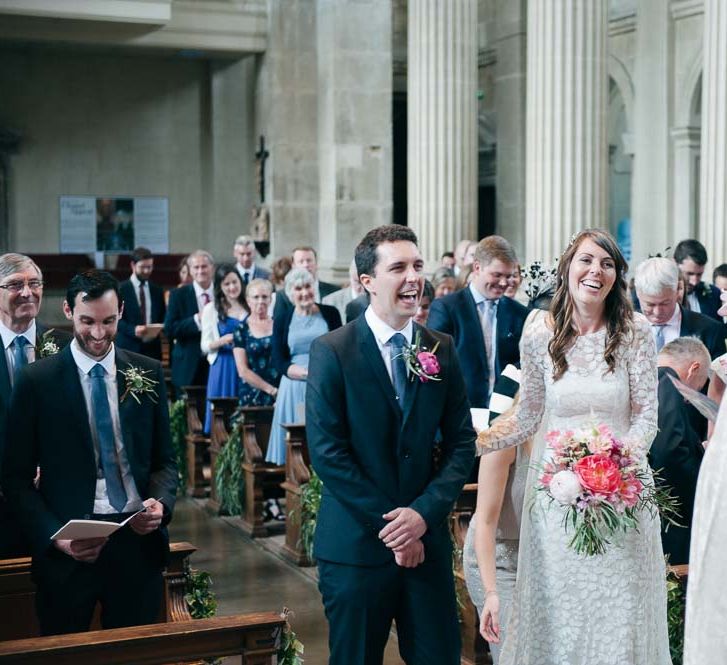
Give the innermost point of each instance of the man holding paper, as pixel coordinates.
(94, 418)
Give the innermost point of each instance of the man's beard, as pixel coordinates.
(88, 351)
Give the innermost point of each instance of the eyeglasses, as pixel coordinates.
(17, 287)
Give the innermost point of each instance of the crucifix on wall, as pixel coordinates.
(259, 220)
(261, 157)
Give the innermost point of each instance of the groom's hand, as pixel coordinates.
(411, 555)
(405, 526)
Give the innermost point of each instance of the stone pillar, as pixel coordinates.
(652, 210)
(686, 148)
(713, 177)
(567, 155)
(442, 123)
(354, 126)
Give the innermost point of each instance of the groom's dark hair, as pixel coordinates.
(366, 256)
(94, 283)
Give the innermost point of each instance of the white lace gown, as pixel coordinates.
(572, 609)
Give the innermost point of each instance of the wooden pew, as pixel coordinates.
(222, 410)
(17, 594)
(255, 637)
(261, 477)
(297, 473)
(198, 443)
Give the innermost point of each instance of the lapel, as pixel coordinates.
(192, 305)
(5, 387)
(411, 394)
(685, 329)
(74, 398)
(131, 304)
(474, 316)
(375, 362)
(126, 406)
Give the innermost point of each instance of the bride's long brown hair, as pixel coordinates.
(619, 312)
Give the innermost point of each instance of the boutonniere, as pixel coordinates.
(47, 345)
(421, 361)
(706, 290)
(138, 384)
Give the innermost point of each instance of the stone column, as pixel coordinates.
(713, 177)
(442, 123)
(567, 155)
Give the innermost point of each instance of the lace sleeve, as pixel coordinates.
(521, 422)
(643, 387)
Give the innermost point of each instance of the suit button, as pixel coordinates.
(406, 454)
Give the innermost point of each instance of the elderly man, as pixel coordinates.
(691, 257)
(677, 450)
(245, 254)
(341, 298)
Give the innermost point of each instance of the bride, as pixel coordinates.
(590, 360)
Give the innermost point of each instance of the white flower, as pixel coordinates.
(565, 487)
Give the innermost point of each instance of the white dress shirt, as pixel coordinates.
(85, 364)
(383, 332)
(250, 272)
(672, 327)
(147, 296)
(8, 337)
(694, 302)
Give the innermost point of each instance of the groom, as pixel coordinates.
(382, 541)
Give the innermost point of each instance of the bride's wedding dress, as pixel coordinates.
(572, 609)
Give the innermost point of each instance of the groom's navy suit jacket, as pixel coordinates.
(456, 314)
(48, 426)
(372, 456)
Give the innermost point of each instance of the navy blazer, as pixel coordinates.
(258, 273)
(125, 338)
(372, 455)
(708, 296)
(281, 326)
(456, 314)
(184, 335)
(357, 307)
(711, 332)
(48, 427)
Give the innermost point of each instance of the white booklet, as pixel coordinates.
(480, 419)
(83, 529)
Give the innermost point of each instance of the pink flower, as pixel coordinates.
(429, 363)
(598, 474)
(630, 490)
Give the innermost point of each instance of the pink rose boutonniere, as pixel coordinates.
(421, 361)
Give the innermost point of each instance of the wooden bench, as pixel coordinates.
(255, 637)
(198, 480)
(17, 594)
(261, 478)
(297, 473)
(222, 410)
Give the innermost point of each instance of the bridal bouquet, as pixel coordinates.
(602, 485)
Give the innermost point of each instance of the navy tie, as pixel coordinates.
(106, 439)
(19, 356)
(398, 366)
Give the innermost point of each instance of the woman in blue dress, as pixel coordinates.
(220, 319)
(293, 333)
(254, 348)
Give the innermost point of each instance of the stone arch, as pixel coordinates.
(621, 76)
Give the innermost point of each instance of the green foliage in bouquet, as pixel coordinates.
(229, 479)
(310, 503)
(291, 648)
(178, 429)
(675, 610)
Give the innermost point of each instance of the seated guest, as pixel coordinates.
(144, 308)
(220, 319)
(448, 260)
(253, 350)
(422, 315)
(183, 324)
(443, 282)
(341, 298)
(103, 447)
(677, 449)
(25, 339)
(306, 258)
(292, 337)
(691, 257)
(245, 254)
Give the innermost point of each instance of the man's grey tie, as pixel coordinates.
(19, 355)
(398, 366)
(106, 440)
(658, 336)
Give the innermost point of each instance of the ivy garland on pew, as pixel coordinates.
(675, 609)
(310, 503)
(200, 598)
(291, 648)
(229, 479)
(178, 429)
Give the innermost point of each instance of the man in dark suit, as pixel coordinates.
(25, 339)
(691, 257)
(357, 307)
(183, 326)
(103, 448)
(382, 540)
(303, 257)
(677, 450)
(245, 254)
(485, 324)
(144, 308)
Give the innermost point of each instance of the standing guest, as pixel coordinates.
(293, 334)
(486, 325)
(25, 339)
(448, 260)
(245, 253)
(144, 308)
(220, 319)
(184, 278)
(443, 282)
(183, 323)
(464, 279)
(677, 450)
(253, 350)
(719, 277)
(357, 307)
(104, 451)
(463, 255)
(382, 542)
(514, 281)
(341, 298)
(691, 257)
(280, 268)
(425, 302)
